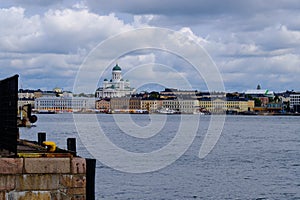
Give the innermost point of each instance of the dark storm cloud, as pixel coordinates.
(191, 7)
(31, 3)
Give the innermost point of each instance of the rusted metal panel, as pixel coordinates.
(44, 155)
(8, 113)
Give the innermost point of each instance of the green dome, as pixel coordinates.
(117, 68)
(105, 79)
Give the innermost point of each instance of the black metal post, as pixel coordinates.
(90, 178)
(41, 138)
(71, 144)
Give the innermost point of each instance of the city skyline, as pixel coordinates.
(251, 43)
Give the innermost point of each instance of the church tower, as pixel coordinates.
(116, 86)
(116, 73)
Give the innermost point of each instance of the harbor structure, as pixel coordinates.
(38, 170)
(116, 86)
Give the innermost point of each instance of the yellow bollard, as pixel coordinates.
(51, 146)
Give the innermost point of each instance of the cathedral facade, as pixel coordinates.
(116, 86)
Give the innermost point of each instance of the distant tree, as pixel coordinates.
(276, 99)
(154, 95)
(287, 108)
(257, 102)
(247, 96)
(271, 100)
(230, 95)
(82, 95)
(258, 87)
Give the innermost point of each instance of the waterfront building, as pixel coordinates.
(64, 104)
(25, 97)
(121, 103)
(170, 93)
(151, 105)
(125, 104)
(214, 105)
(25, 101)
(49, 93)
(103, 105)
(181, 105)
(224, 105)
(284, 97)
(135, 103)
(274, 107)
(295, 102)
(263, 95)
(116, 87)
(38, 93)
(26, 94)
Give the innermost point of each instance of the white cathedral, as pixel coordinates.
(116, 87)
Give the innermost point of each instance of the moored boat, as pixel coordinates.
(46, 112)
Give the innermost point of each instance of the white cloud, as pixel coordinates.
(52, 45)
(142, 20)
(279, 37)
(17, 31)
(56, 31)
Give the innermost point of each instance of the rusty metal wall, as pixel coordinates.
(8, 113)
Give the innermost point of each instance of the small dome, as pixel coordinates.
(105, 79)
(58, 90)
(117, 68)
(122, 79)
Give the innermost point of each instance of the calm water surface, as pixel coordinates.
(256, 157)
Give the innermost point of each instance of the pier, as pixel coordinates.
(38, 170)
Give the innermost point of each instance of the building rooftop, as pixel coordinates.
(117, 68)
(260, 92)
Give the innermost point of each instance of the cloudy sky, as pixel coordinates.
(251, 42)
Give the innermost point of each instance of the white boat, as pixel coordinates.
(198, 113)
(46, 112)
(166, 111)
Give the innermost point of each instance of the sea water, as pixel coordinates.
(256, 157)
